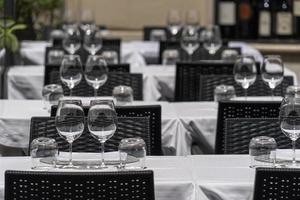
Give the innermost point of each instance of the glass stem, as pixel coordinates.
(245, 92)
(190, 57)
(70, 92)
(272, 93)
(294, 151)
(95, 92)
(102, 155)
(70, 155)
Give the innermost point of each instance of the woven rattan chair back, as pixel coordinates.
(277, 183)
(128, 127)
(239, 132)
(208, 84)
(151, 111)
(34, 185)
(135, 81)
(242, 109)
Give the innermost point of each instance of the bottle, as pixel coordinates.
(296, 12)
(226, 18)
(246, 22)
(283, 19)
(264, 19)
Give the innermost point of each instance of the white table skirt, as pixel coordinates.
(222, 177)
(15, 118)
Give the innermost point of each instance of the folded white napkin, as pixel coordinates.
(262, 98)
(86, 100)
(287, 154)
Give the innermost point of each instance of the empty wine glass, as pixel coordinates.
(96, 72)
(244, 72)
(92, 41)
(71, 71)
(174, 23)
(72, 39)
(69, 123)
(102, 123)
(190, 40)
(87, 21)
(272, 71)
(192, 18)
(211, 38)
(290, 121)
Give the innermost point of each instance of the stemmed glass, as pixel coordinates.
(190, 40)
(96, 72)
(174, 23)
(272, 71)
(211, 38)
(71, 71)
(244, 72)
(290, 121)
(72, 40)
(92, 41)
(87, 20)
(102, 123)
(192, 18)
(69, 123)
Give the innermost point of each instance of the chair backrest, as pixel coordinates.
(127, 127)
(208, 84)
(148, 30)
(49, 69)
(151, 111)
(187, 80)
(277, 183)
(242, 109)
(35, 185)
(135, 81)
(239, 132)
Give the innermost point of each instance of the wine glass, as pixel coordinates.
(272, 71)
(192, 18)
(96, 72)
(72, 39)
(92, 41)
(290, 121)
(69, 123)
(87, 20)
(211, 38)
(174, 23)
(244, 72)
(71, 71)
(190, 40)
(102, 123)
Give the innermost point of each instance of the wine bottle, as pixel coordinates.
(283, 19)
(296, 11)
(227, 18)
(264, 19)
(246, 23)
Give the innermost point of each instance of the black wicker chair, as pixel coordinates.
(34, 185)
(277, 183)
(151, 111)
(242, 109)
(208, 84)
(148, 29)
(127, 127)
(187, 80)
(49, 69)
(135, 81)
(239, 131)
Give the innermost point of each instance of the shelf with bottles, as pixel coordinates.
(262, 20)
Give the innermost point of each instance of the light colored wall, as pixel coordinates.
(134, 14)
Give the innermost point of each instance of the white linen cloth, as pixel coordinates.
(222, 177)
(26, 82)
(15, 118)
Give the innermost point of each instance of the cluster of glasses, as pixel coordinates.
(101, 123)
(263, 150)
(245, 71)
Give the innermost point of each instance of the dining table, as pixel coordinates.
(176, 119)
(197, 177)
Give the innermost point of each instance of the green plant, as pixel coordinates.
(8, 39)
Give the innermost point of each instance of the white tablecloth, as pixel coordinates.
(26, 82)
(212, 177)
(15, 118)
